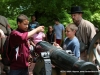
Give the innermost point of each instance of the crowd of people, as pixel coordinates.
(28, 34)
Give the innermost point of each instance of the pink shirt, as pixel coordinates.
(38, 37)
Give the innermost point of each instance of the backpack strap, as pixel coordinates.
(3, 25)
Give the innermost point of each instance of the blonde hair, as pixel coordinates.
(72, 26)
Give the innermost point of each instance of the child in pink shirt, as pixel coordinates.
(38, 37)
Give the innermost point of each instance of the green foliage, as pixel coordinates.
(12, 23)
(96, 19)
(47, 10)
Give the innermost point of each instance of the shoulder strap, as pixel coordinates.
(3, 25)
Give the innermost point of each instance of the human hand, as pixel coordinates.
(40, 28)
(57, 45)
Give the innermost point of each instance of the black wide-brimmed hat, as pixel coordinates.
(76, 9)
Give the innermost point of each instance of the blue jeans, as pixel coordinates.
(19, 72)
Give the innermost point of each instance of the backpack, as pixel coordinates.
(6, 52)
(4, 26)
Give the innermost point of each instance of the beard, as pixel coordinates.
(76, 22)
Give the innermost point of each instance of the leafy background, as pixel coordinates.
(47, 10)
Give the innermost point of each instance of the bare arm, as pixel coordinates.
(38, 29)
(32, 43)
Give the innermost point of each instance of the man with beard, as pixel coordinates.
(85, 32)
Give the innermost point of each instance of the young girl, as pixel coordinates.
(50, 35)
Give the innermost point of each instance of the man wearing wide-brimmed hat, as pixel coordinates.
(86, 29)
